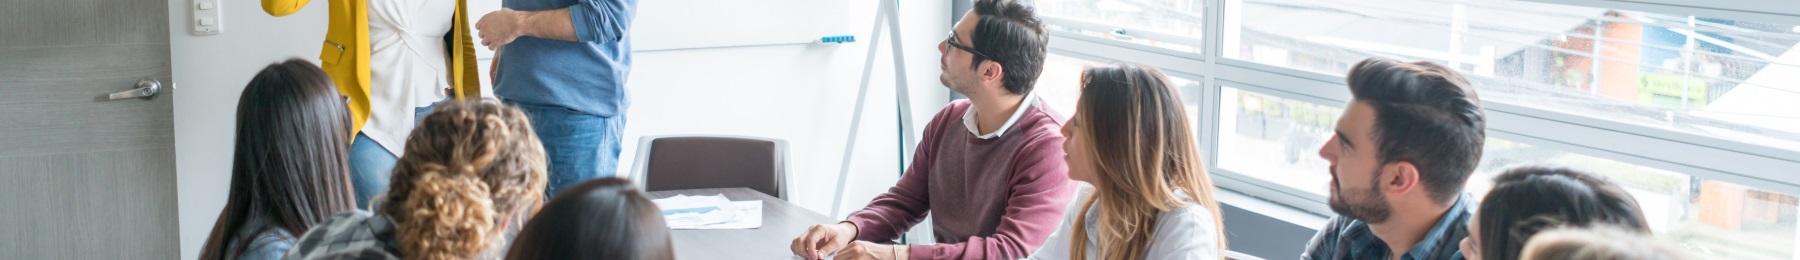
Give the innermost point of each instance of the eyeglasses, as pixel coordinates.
(958, 45)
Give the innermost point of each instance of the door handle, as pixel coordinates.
(146, 90)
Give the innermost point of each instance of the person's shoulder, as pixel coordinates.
(1040, 124)
(1193, 220)
(948, 116)
(340, 224)
(1325, 243)
(274, 236)
(1192, 212)
(271, 244)
(1339, 224)
(1042, 109)
(1465, 206)
(1040, 118)
(1191, 217)
(350, 234)
(345, 218)
(1189, 232)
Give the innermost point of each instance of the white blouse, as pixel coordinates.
(408, 65)
(1185, 233)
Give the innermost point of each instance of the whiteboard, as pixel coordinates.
(688, 24)
(684, 24)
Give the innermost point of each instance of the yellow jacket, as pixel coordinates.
(345, 54)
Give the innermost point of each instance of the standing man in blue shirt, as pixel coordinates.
(565, 63)
(1409, 139)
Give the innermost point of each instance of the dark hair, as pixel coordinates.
(1425, 114)
(1530, 199)
(1010, 32)
(598, 219)
(289, 170)
(467, 165)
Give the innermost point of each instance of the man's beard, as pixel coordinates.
(1371, 207)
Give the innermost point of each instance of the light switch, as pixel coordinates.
(206, 17)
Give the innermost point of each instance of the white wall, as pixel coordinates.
(801, 93)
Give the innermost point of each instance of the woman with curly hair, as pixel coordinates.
(470, 169)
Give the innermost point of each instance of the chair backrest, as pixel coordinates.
(701, 162)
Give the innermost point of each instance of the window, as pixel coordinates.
(1060, 86)
(1167, 24)
(1710, 218)
(1694, 114)
(1723, 78)
(1276, 140)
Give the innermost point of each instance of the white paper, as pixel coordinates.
(728, 215)
(749, 217)
(725, 211)
(827, 257)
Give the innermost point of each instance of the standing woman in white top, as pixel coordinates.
(1151, 198)
(408, 76)
(393, 61)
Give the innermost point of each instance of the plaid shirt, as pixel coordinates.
(353, 234)
(1345, 238)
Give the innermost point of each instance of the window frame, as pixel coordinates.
(1130, 31)
(1752, 165)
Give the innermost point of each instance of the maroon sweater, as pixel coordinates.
(989, 198)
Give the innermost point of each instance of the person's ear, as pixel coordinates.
(992, 71)
(1400, 178)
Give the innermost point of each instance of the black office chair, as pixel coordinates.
(700, 162)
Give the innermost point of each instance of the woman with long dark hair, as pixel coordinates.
(1151, 198)
(599, 219)
(1527, 200)
(289, 171)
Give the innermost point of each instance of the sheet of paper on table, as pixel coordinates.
(710, 212)
(827, 257)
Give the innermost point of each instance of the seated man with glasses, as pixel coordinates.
(989, 169)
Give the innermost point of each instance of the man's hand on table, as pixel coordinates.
(820, 240)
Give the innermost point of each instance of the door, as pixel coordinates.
(86, 172)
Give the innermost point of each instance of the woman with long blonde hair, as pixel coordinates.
(470, 170)
(1131, 139)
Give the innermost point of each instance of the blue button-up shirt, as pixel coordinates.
(1346, 238)
(587, 75)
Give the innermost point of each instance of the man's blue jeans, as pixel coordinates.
(579, 146)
